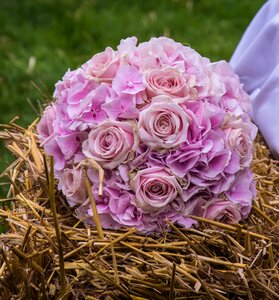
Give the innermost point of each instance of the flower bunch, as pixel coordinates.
(170, 129)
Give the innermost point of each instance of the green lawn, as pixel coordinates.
(40, 40)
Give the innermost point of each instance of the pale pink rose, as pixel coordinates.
(239, 137)
(111, 143)
(155, 188)
(168, 81)
(103, 66)
(222, 210)
(163, 124)
(72, 185)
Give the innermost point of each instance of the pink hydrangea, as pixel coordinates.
(170, 129)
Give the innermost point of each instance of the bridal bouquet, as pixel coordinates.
(170, 129)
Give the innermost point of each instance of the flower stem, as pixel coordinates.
(57, 228)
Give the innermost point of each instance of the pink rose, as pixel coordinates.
(103, 66)
(222, 210)
(73, 186)
(155, 188)
(111, 143)
(239, 137)
(163, 124)
(167, 81)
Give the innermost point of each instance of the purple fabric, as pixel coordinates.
(256, 61)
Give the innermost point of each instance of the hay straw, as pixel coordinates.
(51, 181)
(59, 258)
(96, 218)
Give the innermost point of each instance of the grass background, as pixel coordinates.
(40, 40)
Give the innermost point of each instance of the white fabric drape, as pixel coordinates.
(256, 61)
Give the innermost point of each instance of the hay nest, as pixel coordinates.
(47, 253)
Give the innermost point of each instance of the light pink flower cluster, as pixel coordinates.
(170, 129)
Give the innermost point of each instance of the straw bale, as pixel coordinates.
(47, 253)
